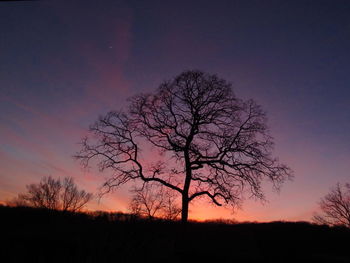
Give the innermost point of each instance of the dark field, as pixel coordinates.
(33, 235)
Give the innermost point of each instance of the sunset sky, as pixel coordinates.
(64, 63)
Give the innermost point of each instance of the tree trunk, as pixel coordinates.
(184, 212)
(185, 199)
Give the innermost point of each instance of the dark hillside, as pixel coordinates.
(33, 235)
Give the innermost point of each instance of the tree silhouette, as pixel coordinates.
(45, 194)
(53, 194)
(170, 210)
(73, 199)
(210, 143)
(335, 207)
(154, 201)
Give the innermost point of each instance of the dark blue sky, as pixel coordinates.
(62, 64)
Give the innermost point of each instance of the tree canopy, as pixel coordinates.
(210, 143)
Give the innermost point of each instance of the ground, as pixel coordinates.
(35, 235)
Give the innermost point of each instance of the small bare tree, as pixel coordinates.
(53, 194)
(153, 201)
(73, 199)
(335, 207)
(171, 210)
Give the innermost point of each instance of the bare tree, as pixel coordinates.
(53, 194)
(211, 143)
(146, 202)
(154, 201)
(73, 199)
(171, 210)
(335, 207)
(45, 194)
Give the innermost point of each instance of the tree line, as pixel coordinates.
(150, 201)
(147, 201)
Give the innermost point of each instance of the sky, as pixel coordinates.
(64, 63)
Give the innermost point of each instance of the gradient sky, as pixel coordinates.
(62, 64)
